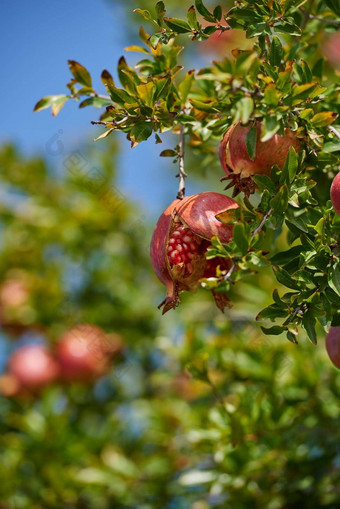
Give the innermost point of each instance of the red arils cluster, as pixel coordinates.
(182, 247)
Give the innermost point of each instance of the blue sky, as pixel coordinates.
(37, 39)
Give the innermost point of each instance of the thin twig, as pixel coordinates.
(111, 122)
(307, 13)
(334, 131)
(181, 175)
(227, 277)
(331, 21)
(261, 225)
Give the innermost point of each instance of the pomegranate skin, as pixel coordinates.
(198, 214)
(235, 160)
(335, 193)
(333, 345)
(206, 224)
(33, 367)
(84, 351)
(158, 241)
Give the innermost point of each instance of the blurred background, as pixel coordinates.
(104, 403)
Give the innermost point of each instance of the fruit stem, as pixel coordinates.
(181, 174)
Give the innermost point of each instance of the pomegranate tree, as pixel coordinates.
(181, 239)
(266, 98)
(237, 164)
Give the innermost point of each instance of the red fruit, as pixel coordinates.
(84, 352)
(33, 367)
(333, 345)
(180, 240)
(237, 164)
(335, 193)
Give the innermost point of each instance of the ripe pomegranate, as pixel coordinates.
(84, 352)
(335, 193)
(333, 345)
(33, 367)
(180, 240)
(237, 164)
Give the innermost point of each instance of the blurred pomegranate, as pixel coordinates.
(180, 240)
(84, 352)
(33, 367)
(331, 49)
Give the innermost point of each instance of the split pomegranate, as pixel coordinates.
(333, 345)
(84, 352)
(237, 164)
(335, 194)
(33, 367)
(180, 240)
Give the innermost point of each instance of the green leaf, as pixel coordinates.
(265, 183)
(178, 25)
(146, 15)
(323, 119)
(192, 18)
(55, 101)
(334, 278)
(105, 134)
(185, 87)
(303, 91)
(96, 102)
(308, 322)
(241, 238)
(291, 164)
(271, 96)
(251, 139)
(204, 11)
(162, 88)
(145, 93)
(80, 73)
(287, 28)
(118, 95)
(141, 131)
(107, 78)
(276, 330)
(286, 256)
(269, 128)
(245, 107)
(160, 11)
(276, 52)
(285, 279)
(218, 13)
(168, 153)
(334, 6)
(139, 49)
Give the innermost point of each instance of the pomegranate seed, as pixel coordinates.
(182, 248)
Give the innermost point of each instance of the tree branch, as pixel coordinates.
(334, 131)
(181, 175)
(331, 21)
(261, 225)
